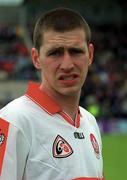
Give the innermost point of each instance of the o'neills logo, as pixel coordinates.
(61, 148)
(95, 145)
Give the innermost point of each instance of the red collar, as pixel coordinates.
(47, 103)
(42, 99)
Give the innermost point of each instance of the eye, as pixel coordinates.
(55, 52)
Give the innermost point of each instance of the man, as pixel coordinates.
(45, 135)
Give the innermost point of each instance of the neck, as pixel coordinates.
(68, 103)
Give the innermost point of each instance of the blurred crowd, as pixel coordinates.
(105, 91)
(15, 60)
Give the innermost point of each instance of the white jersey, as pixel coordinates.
(38, 141)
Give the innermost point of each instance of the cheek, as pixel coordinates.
(82, 64)
(83, 68)
(50, 67)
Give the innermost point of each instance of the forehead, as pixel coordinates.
(65, 39)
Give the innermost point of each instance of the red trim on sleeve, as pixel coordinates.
(4, 127)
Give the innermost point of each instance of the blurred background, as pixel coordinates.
(105, 91)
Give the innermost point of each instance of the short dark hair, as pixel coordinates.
(60, 20)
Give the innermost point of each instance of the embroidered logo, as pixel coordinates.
(61, 148)
(2, 138)
(79, 135)
(95, 145)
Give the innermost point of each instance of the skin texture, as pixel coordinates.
(64, 59)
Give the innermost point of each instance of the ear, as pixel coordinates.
(35, 58)
(91, 53)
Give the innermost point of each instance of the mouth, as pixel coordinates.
(68, 77)
(69, 80)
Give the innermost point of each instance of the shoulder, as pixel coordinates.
(15, 108)
(88, 118)
(14, 116)
(17, 113)
(85, 113)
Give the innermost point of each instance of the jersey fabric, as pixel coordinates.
(39, 141)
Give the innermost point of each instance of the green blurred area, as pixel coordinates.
(115, 157)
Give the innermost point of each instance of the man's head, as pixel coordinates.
(59, 20)
(62, 51)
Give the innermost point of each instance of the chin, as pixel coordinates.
(70, 91)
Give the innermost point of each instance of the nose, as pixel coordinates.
(67, 63)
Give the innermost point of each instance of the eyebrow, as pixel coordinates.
(76, 49)
(53, 49)
(61, 48)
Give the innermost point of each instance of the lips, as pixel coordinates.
(68, 77)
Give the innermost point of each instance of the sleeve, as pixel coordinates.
(14, 150)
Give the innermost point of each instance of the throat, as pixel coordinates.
(69, 105)
(70, 109)
(72, 116)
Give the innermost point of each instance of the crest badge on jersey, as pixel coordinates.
(61, 148)
(95, 145)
